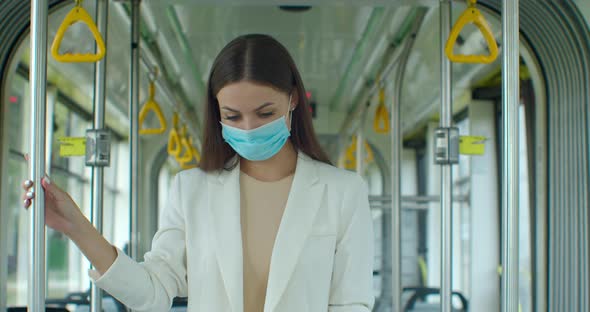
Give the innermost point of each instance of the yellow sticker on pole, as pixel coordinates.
(472, 145)
(72, 146)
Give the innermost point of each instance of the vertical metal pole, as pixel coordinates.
(38, 83)
(446, 194)
(134, 129)
(102, 13)
(396, 179)
(396, 193)
(510, 182)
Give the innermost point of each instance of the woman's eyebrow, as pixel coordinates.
(259, 108)
(230, 109)
(264, 105)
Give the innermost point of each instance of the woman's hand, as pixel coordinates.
(63, 215)
(61, 212)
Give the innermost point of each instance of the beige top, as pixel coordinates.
(262, 206)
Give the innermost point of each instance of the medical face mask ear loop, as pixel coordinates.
(291, 109)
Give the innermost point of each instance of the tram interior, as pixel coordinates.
(340, 48)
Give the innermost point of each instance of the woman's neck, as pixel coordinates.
(275, 168)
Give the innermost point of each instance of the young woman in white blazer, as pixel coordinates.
(265, 223)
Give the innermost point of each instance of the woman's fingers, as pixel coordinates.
(28, 195)
(27, 184)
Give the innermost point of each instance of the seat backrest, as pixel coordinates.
(108, 305)
(47, 309)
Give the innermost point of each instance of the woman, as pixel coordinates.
(219, 240)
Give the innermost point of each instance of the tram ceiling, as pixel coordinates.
(390, 3)
(337, 45)
(333, 45)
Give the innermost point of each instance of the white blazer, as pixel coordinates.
(322, 259)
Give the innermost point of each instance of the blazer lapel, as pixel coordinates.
(224, 205)
(302, 204)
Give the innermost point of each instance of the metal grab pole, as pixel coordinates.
(396, 177)
(418, 199)
(396, 192)
(510, 103)
(38, 84)
(102, 11)
(446, 173)
(134, 129)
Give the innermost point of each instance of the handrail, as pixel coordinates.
(174, 147)
(78, 14)
(188, 153)
(152, 105)
(195, 155)
(381, 122)
(472, 15)
(350, 154)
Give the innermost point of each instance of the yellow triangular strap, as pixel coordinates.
(187, 155)
(174, 147)
(194, 153)
(173, 143)
(152, 105)
(381, 121)
(188, 152)
(349, 158)
(472, 15)
(78, 14)
(188, 166)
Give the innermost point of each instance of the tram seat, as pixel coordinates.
(80, 302)
(179, 304)
(108, 305)
(418, 303)
(429, 307)
(47, 309)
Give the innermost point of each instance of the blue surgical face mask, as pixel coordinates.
(261, 143)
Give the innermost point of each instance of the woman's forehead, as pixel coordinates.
(245, 95)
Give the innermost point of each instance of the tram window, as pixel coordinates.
(525, 268)
(462, 219)
(66, 267)
(164, 180)
(584, 7)
(17, 224)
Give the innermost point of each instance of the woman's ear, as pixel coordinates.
(294, 99)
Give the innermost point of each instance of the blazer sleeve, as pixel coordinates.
(152, 285)
(352, 277)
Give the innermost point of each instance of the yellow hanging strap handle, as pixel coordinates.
(196, 156)
(78, 14)
(350, 154)
(174, 147)
(472, 15)
(187, 156)
(381, 122)
(152, 105)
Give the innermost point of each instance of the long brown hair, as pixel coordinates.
(260, 59)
